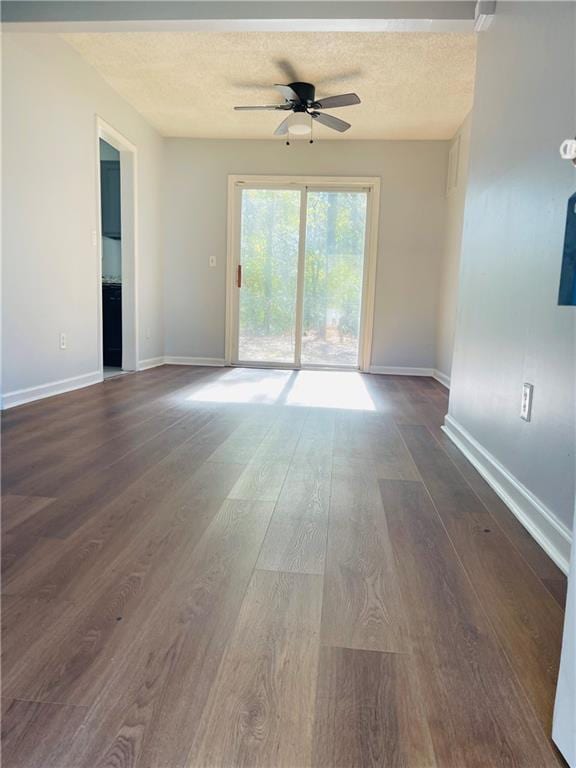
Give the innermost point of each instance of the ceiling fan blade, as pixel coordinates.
(287, 92)
(287, 70)
(269, 106)
(282, 129)
(331, 102)
(331, 122)
(341, 77)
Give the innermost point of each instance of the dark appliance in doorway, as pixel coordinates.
(112, 324)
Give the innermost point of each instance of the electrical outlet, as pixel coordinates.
(526, 406)
(148, 333)
(94, 238)
(212, 261)
(63, 341)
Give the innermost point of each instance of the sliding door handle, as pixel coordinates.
(239, 276)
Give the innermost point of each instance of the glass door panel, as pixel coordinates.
(269, 242)
(333, 277)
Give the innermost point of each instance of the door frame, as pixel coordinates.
(129, 248)
(371, 184)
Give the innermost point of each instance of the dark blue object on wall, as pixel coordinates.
(567, 294)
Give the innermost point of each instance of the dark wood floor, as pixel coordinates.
(206, 567)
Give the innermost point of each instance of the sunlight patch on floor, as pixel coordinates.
(312, 389)
(330, 389)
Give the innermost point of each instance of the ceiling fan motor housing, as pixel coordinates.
(306, 93)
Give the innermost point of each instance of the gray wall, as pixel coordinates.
(50, 210)
(509, 328)
(411, 235)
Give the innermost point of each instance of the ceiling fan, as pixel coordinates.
(300, 101)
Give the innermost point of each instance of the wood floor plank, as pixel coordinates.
(319, 423)
(24, 622)
(558, 588)
(49, 477)
(530, 550)
(15, 549)
(95, 428)
(235, 450)
(243, 443)
(93, 491)
(21, 555)
(296, 538)
(526, 617)
(375, 438)
(315, 447)
(114, 527)
(111, 408)
(32, 731)
(149, 707)
(316, 452)
(390, 454)
(280, 442)
(397, 405)
(362, 607)
(60, 429)
(70, 664)
(478, 714)
(260, 481)
(265, 688)
(431, 410)
(369, 713)
(353, 438)
(16, 509)
(295, 543)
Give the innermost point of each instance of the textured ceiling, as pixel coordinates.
(412, 85)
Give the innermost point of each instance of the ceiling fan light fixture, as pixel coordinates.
(300, 124)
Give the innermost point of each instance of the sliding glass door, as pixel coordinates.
(299, 276)
(268, 275)
(333, 275)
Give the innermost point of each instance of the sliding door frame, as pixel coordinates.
(369, 184)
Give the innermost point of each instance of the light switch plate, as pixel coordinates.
(212, 261)
(526, 406)
(63, 341)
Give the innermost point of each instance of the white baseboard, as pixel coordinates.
(441, 377)
(21, 396)
(392, 370)
(209, 361)
(552, 535)
(151, 362)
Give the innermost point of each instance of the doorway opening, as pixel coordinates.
(110, 221)
(301, 272)
(117, 252)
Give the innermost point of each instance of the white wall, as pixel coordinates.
(410, 235)
(50, 209)
(509, 328)
(450, 268)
